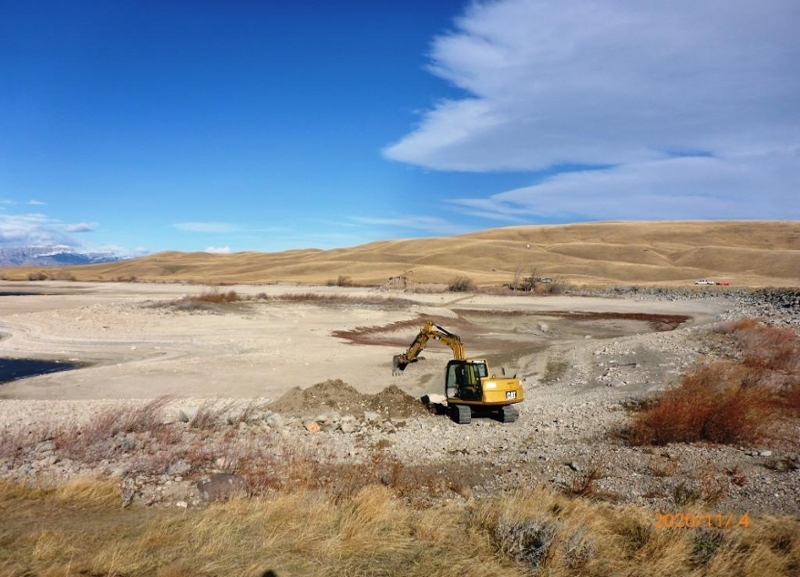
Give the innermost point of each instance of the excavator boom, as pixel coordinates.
(429, 331)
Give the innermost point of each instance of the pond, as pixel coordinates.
(14, 369)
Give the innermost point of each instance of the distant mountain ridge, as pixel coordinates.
(666, 253)
(57, 255)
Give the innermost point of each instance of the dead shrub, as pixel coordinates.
(341, 280)
(582, 485)
(527, 541)
(713, 484)
(63, 275)
(686, 493)
(461, 285)
(712, 403)
(730, 401)
(100, 437)
(772, 356)
(737, 477)
(552, 287)
(662, 466)
(705, 544)
(343, 300)
(206, 301)
(15, 442)
(767, 347)
(214, 297)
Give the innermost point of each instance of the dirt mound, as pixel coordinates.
(336, 395)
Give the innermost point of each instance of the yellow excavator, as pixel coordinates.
(469, 387)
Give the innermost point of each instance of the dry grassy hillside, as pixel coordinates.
(744, 253)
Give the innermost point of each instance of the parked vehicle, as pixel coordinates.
(704, 282)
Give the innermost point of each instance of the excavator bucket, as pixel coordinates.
(399, 363)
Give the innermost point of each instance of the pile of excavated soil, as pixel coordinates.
(336, 395)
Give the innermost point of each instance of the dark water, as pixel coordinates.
(13, 369)
(24, 294)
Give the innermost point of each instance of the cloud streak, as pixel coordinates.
(684, 109)
(218, 250)
(81, 227)
(32, 230)
(749, 186)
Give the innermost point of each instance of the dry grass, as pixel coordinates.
(209, 300)
(214, 296)
(103, 436)
(373, 532)
(341, 300)
(746, 253)
(739, 400)
(230, 437)
(215, 300)
(341, 280)
(461, 284)
(311, 514)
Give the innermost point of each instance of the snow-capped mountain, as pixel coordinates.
(58, 255)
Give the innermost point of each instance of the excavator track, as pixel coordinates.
(508, 414)
(461, 414)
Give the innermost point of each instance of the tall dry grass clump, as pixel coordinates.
(461, 284)
(373, 532)
(213, 297)
(736, 400)
(208, 300)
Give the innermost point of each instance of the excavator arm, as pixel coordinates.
(429, 331)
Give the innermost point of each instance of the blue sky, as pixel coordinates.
(228, 126)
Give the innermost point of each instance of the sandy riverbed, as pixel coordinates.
(136, 345)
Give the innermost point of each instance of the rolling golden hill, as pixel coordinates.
(744, 253)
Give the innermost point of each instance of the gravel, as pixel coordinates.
(567, 436)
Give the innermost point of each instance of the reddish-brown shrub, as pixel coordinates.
(769, 348)
(730, 401)
(214, 297)
(712, 403)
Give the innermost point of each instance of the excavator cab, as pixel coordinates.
(463, 380)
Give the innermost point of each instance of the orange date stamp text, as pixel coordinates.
(685, 520)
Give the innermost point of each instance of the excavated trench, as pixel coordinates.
(512, 333)
(509, 339)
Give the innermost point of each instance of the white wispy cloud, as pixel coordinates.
(33, 202)
(681, 106)
(80, 227)
(218, 250)
(748, 186)
(32, 230)
(207, 227)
